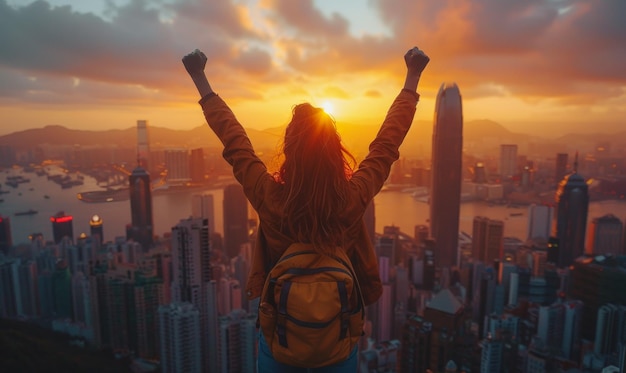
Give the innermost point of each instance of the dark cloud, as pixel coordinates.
(308, 21)
(534, 49)
(572, 50)
(133, 47)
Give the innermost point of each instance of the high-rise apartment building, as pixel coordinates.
(605, 236)
(445, 191)
(572, 320)
(202, 206)
(62, 291)
(196, 166)
(597, 281)
(235, 219)
(572, 197)
(507, 165)
(177, 165)
(445, 312)
(180, 338)
(416, 344)
(487, 239)
(10, 289)
(539, 221)
(6, 241)
(141, 228)
(237, 338)
(480, 174)
(27, 272)
(62, 226)
(191, 273)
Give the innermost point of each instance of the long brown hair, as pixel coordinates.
(315, 174)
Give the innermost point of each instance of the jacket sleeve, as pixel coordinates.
(248, 169)
(383, 151)
(368, 179)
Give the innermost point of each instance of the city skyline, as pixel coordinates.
(98, 64)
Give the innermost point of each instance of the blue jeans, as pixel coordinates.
(267, 364)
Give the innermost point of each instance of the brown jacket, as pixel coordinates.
(262, 190)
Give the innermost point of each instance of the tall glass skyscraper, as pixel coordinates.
(141, 208)
(445, 191)
(572, 197)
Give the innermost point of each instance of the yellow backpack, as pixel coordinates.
(311, 310)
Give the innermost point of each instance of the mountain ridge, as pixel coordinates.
(478, 135)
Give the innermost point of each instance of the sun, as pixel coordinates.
(328, 107)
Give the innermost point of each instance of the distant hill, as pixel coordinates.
(479, 136)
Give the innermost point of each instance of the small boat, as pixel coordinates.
(28, 212)
(46, 196)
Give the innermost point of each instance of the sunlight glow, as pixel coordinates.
(328, 107)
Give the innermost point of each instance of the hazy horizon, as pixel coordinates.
(105, 64)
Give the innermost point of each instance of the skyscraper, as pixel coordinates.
(539, 221)
(96, 229)
(141, 208)
(487, 239)
(5, 235)
(62, 226)
(192, 274)
(180, 335)
(177, 165)
(605, 236)
(507, 165)
(445, 191)
(597, 281)
(235, 219)
(143, 145)
(202, 206)
(196, 165)
(416, 344)
(572, 197)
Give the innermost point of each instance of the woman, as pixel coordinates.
(315, 197)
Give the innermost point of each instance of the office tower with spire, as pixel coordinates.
(6, 242)
(572, 198)
(141, 228)
(445, 191)
(235, 219)
(62, 226)
(143, 145)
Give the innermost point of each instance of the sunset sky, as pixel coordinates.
(101, 64)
